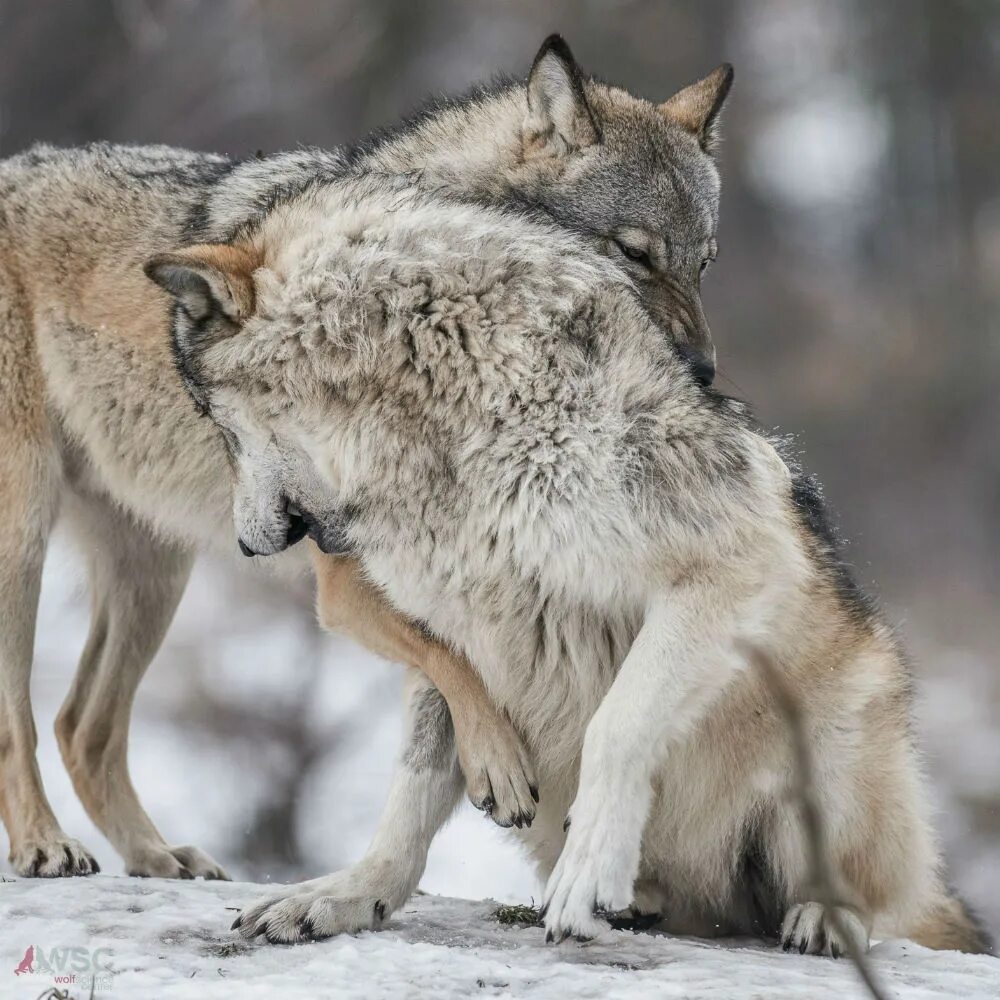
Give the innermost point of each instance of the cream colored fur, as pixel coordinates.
(524, 463)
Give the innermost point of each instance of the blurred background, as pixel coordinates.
(856, 302)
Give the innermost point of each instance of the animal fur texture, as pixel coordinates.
(98, 428)
(522, 460)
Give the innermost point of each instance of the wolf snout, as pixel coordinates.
(702, 365)
(329, 532)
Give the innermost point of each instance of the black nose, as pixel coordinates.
(703, 371)
(702, 367)
(246, 550)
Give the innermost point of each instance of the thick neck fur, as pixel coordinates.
(470, 146)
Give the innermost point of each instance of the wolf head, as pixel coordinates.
(277, 491)
(637, 178)
(640, 175)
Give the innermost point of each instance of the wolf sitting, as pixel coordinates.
(522, 460)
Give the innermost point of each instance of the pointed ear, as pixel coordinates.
(696, 108)
(209, 279)
(560, 118)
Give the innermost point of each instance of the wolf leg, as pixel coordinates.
(136, 583)
(498, 772)
(28, 497)
(672, 674)
(425, 790)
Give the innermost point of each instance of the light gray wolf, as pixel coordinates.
(520, 459)
(98, 428)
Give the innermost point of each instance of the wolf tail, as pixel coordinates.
(950, 925)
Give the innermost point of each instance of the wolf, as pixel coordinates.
(98, 428)
(519, 458)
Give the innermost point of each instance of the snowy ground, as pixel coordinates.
(164, 939)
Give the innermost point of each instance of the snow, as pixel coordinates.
(171, 939)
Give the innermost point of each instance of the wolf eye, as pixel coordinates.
(639, 256)
(704, 265)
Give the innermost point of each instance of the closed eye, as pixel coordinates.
(634, 254)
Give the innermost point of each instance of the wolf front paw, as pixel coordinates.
(809, 929)
(161, 861)
(343, 903)
(596, 871)
(55, 856)
(499, 776)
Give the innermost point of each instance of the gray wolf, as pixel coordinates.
(520, 459)
(99, 430)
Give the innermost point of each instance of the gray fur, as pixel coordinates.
(535, 472)
(431, 740)
(96, 422)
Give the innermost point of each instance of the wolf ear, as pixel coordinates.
(209, 279)
(696, 108)
(560, 119)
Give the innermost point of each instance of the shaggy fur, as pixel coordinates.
(523, 461)
(97, 426)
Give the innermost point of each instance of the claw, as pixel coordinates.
(237, 923)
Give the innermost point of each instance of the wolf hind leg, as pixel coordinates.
(425, 789)
(136, 584)
(29, 485)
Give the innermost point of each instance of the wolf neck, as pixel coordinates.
(469, 147)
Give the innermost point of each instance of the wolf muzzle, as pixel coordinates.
(329, 533)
